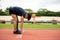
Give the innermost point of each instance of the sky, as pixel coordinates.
(53, 5)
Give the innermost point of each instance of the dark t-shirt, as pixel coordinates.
(17, 10)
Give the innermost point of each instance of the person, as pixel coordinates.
(15, 12)
(33, 18)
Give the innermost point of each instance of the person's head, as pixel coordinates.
(27, 16)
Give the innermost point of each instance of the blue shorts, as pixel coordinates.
(17, 11)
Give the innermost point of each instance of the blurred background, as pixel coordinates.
(43, 11)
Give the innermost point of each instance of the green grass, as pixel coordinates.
(33, 26)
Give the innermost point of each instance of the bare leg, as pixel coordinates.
(15, 20)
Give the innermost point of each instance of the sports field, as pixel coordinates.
(39, 31)
(33, 26)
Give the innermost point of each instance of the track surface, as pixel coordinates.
(7, 34)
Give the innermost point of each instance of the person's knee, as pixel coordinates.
(14, 17)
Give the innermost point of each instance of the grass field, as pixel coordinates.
(33, 26)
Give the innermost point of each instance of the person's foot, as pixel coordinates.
(17, 32)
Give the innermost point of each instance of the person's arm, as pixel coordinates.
(22, 21)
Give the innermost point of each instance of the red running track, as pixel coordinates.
(7, 34)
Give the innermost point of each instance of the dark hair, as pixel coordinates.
(29, 16)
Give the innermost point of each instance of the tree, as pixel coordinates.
(7, 11)
(29, 10)
(45, 12)
(49, 13)
(1, 12)
(41, 12)
(57, 13)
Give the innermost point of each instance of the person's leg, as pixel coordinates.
(15, 21)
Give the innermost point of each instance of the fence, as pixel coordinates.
(37, 19)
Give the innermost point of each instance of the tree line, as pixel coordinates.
(40, 12)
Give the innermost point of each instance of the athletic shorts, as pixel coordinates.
(17, 11)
